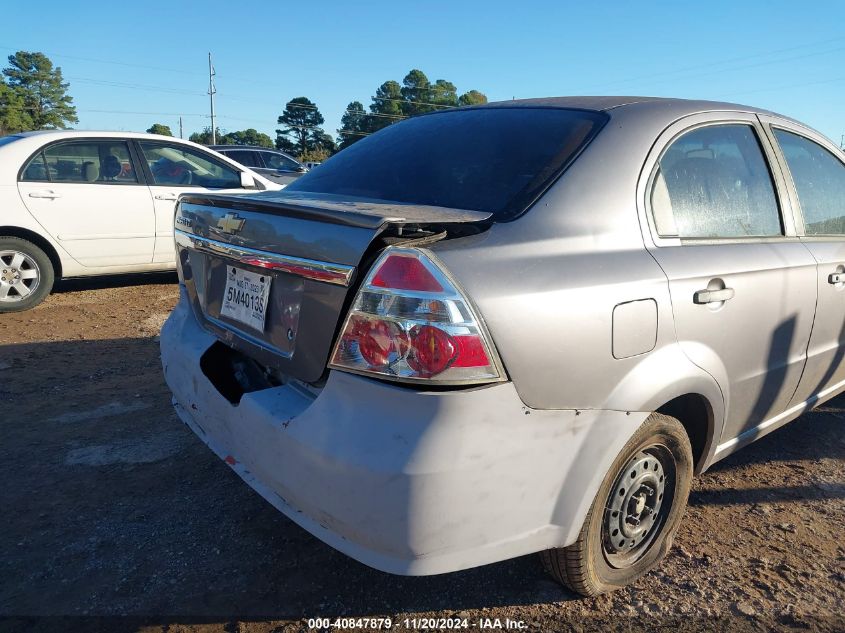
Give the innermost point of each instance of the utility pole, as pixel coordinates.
(211, 92)
(180, 128)
(842, 142)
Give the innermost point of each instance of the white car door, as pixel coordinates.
(88, 197)
(174, 169)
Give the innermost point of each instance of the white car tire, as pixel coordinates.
(26, 274)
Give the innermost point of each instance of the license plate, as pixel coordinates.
(245, 297)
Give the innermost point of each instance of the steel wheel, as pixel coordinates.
(635, 511)
(20, 276)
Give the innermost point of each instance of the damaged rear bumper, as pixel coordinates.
(405, 481)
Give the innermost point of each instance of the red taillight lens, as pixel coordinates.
(431, 351)
(410, 322)
(400, 272)
(379, 342)
(470, 352)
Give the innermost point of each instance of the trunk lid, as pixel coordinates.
(310, 247)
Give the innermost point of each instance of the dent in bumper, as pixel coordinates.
(404, 481)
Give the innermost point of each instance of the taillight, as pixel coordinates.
(410, 322)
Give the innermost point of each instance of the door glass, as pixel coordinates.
(713, 182)
(101, 162)
(36, 170)
(819, 179)
(277, 161)
(244, 157)
(175, 165)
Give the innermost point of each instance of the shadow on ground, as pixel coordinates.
(120, 510)
(113, 281)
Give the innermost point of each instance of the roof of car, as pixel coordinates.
(605, 103)
(241, 147)
(97, 133)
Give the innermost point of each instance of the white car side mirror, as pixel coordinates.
(247, 181)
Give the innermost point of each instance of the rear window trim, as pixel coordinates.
(507, 215)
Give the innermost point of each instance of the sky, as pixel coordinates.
(132, 64)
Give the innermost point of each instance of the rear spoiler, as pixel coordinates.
(347, 211)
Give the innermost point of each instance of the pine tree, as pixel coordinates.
(13, 115)
(44, 93)
(354, 125)
(302, 132)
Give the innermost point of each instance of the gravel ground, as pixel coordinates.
(115, 517)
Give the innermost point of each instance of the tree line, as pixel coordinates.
(34, 96)
(302, 133)
(250, 136)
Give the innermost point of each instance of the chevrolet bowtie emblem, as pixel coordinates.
(231, 223)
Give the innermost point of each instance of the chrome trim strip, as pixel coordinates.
(338, 274)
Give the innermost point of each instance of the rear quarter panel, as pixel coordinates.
(547, 284)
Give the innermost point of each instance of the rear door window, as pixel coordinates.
(714, 182)
(90, 162)
(497, 160)
(819, 179)
(244, 157)
(36, 170)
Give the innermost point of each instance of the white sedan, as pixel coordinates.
(75, 203)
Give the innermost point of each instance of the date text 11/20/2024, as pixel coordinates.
(417, 624)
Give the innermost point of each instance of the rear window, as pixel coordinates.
(496, 160)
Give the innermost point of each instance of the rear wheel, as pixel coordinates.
(26, 274)
(634, 517)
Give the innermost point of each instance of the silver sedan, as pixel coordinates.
(520, 327)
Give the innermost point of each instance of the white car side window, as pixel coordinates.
(106, 162)
(174, 165)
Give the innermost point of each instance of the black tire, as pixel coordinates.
(26, 274)
(658, 454)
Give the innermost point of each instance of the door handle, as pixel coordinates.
(712, 296)
(836, 278)
(51, 195)
(166, 196)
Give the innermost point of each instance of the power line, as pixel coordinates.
(758, 64)
(110, 61)
(203, 116)
(789, 86)
(169, 90)
(349, 111)
(141, 113)
(133, 86)
(164, 89)
(259, 82)
(729, 61)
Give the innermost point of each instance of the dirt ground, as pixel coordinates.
(115, 517)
